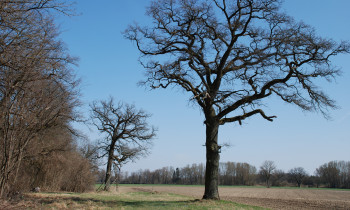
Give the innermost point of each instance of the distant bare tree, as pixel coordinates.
(127, 135)
(232, 56)
(297, 174)
(266, 171)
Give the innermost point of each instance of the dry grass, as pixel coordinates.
(126, 198)
(184, 197)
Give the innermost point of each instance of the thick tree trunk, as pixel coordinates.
(213, 157)
(267, 183)
(299, 184)
(117, 177)
(109, 169)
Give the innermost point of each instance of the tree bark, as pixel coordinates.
(3, 182)
(117, 177)
(7, 164)
(213, 157)
(109, 168)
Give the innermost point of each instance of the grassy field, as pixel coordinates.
(184, 197)
(231, 186)
(112, 200)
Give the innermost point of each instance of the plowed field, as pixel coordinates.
(269, 198)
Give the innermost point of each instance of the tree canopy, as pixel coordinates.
(126, 133)
(232, 56)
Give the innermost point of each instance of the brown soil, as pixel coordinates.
(268, 198)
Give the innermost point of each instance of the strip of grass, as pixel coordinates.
(229, 186)
(133, 200)
(313, 188)
(289, 188)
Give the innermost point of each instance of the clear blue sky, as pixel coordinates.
(109, 66)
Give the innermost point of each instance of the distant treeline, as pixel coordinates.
(335, 174)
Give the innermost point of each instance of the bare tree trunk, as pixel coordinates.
(117, 176)
(3, 182)
(109, 169)
(6, 166)
(213, 157)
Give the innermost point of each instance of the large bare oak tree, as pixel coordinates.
(127, 134)
(232, 56)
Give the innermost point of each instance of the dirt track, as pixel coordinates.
(263, 197)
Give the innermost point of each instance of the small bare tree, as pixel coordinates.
(266, 171)
(297, 174)
(127, 135)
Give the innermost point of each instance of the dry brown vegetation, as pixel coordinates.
(38, 101)
(126, 198)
